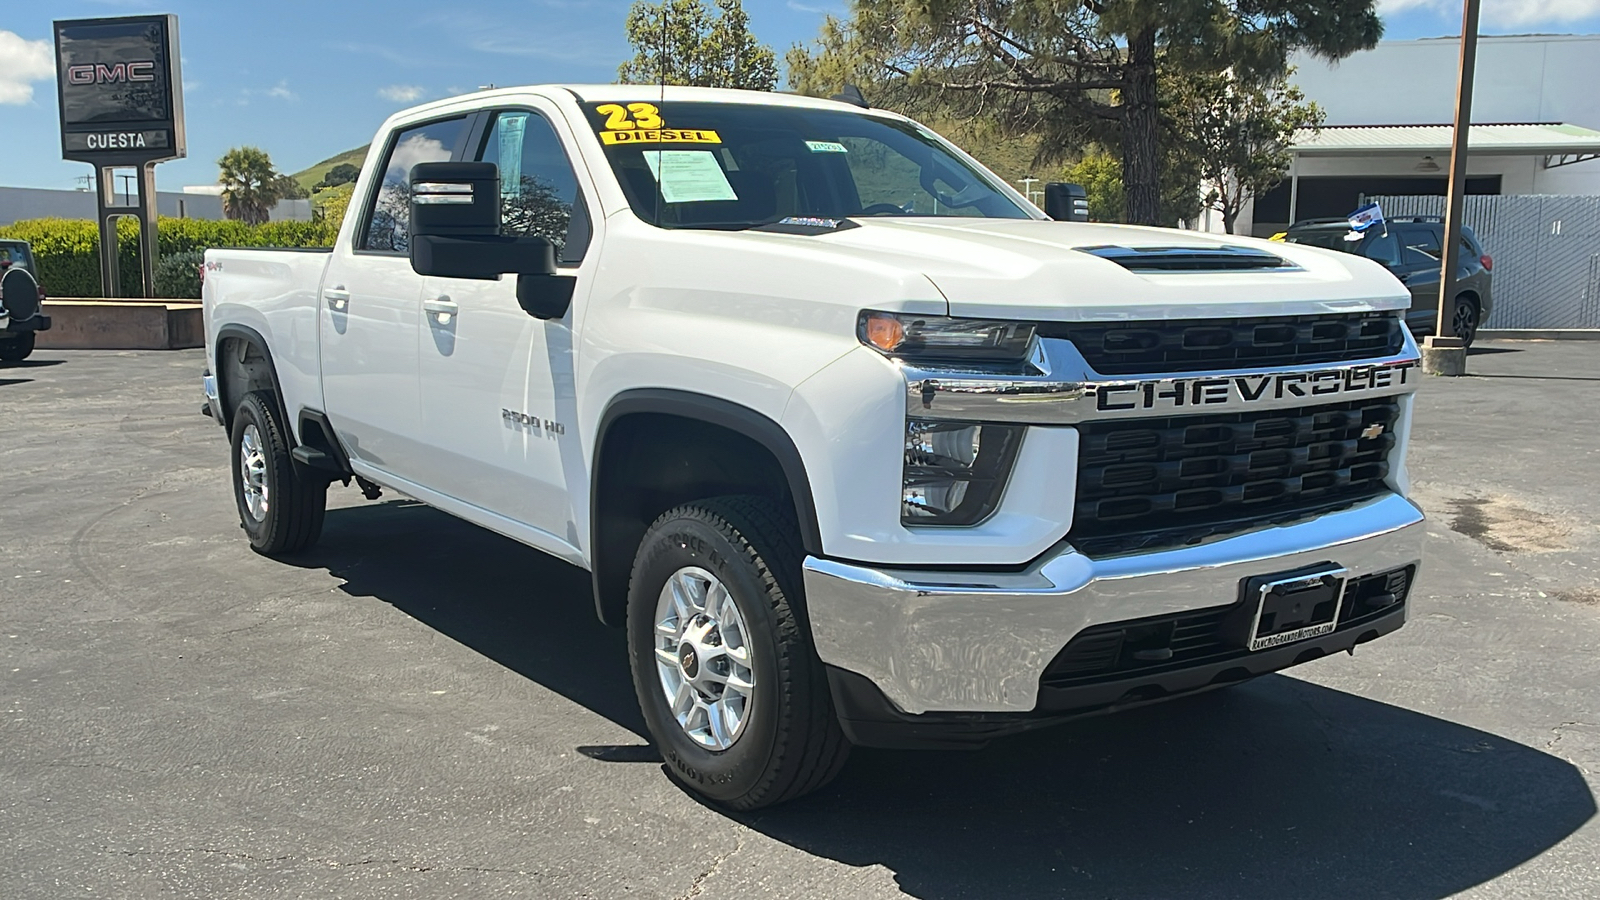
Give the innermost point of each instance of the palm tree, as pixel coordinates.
(249, 184)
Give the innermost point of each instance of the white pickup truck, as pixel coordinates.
(859, 445)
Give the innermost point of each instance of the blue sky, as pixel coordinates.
(305, 80)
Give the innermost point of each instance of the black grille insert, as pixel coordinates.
(1147, 646)
(1145, 348)
(1148, 483)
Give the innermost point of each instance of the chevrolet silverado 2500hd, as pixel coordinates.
(859, 446)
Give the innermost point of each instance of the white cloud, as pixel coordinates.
(1505, 13)
(281, 92)
(400, 93)
(23, 62)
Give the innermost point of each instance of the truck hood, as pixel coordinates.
(1027, 268)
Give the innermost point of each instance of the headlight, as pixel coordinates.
(955, 472)
(938, 337)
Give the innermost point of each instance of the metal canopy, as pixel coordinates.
(1559, 144)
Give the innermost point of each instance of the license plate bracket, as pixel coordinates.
(1290, 606)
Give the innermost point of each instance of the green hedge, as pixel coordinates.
(67, 251)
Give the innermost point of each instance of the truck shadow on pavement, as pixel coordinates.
(1273, 789)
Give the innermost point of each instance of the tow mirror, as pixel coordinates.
(1066, 202)
(455, 233)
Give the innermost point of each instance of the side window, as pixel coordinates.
(1421, 246)
(538, 191)
(1383, 248)
(389, 215)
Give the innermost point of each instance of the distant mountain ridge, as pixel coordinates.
(309, 177)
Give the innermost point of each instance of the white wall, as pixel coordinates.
(1531, 78)
(40, 203)
(1520, 79)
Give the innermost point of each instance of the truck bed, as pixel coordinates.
(275, 293)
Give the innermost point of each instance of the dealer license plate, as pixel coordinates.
(1293, 606)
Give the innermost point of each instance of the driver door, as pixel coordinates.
(496, 384)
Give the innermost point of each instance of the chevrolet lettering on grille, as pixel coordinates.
(1175, 393)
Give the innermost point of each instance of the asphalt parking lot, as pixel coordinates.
(419, 708)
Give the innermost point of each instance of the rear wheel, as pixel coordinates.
(729, 684)
(280, 506)
(18, 348)
(1465, 321)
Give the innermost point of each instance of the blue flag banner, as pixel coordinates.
(1366, 217)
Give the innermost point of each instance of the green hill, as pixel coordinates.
(308, 178)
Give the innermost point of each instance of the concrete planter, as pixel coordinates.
(122, 324)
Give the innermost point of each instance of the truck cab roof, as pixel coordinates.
(640, 93)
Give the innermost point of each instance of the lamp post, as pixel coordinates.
(1444, 353)
(1027, 187)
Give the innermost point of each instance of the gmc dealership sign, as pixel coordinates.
(100, 73)
(120, 89)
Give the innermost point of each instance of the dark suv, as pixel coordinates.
(21, 299)
(1410, 248)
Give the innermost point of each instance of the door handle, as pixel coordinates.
(338, 298)
(441, 309)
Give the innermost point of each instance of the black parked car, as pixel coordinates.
(1410, 247)
(21, 298)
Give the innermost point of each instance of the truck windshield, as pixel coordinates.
(735, 166)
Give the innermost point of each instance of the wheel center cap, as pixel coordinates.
(689, 660)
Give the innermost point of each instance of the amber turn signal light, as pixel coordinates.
(884, 331)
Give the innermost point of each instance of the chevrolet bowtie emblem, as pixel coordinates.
(1372, 431)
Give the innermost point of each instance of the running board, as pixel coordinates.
(313, 458)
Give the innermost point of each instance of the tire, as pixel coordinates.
(18, 348)
(1466, 321)
(280, 508)
(786, 741)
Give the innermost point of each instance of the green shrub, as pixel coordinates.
(67, 251)
(178, 275)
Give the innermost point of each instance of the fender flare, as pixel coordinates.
(251, 336)
(739, 419)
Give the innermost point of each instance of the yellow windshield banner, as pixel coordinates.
(661, 136)
(640, 123)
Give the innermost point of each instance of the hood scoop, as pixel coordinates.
(1190, 259)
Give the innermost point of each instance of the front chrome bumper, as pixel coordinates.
(963, 641)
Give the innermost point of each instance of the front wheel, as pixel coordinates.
(729, 684)
(280, 507)
(18, 348)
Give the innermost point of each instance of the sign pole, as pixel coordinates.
(147, 227)
(1445, 353)
(106, 196)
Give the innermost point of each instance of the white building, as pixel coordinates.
(1388, 116)
(42, 203)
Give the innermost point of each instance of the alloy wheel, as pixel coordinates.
(703, 658)
(253, 473)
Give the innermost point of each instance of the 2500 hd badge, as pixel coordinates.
(1177, 392)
